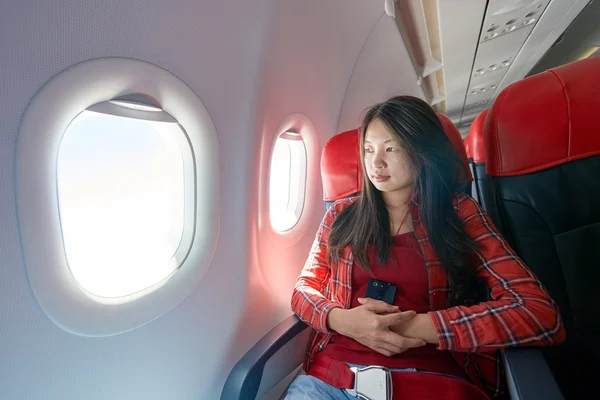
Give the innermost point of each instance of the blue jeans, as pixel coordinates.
(306, 387)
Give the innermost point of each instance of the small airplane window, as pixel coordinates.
(287, 181)
(125, 179)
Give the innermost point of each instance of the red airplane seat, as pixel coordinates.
(542, 152)
(341, 171)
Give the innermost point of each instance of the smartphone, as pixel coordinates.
(380, 290)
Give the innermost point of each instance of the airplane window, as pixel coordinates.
(125, 179)
(118, 193)
(287, 181)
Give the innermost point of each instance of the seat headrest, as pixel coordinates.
(545, 120)
(456, 138)
(341, 171)
(474, 140)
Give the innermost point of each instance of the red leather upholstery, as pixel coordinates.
(457, 141)
(341, 171)
(545, 120)
(474, 140)
(340, 166)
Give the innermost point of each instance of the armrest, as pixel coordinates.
(245, 378)
(528, 375)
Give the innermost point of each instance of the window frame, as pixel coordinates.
(294, 211)
(45, 120)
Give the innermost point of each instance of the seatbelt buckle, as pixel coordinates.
(372, 383)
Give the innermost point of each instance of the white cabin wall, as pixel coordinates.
(310, 55)
(252, 63)
(383, 70)
(309, 61)
(216, 48)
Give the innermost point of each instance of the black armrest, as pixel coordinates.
(245, 377)
(528, 375)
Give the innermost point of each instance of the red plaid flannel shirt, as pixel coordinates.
(520, 312)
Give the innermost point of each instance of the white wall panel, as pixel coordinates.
(252, 63)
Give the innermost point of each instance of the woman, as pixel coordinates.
(461, 293)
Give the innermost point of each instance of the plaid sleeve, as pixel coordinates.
(520, 312)
(309, 301)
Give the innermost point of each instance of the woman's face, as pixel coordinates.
(386, 162)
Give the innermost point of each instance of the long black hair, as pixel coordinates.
(439, 174)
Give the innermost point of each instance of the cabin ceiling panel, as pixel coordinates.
(512, 35)
(506, 27)
(557, 17)
(460, 25)
(507, 16)
(493, 59)
(581, 37)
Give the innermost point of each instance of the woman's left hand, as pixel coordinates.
(419, 327)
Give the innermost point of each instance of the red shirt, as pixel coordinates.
(406, 270)
(519, 313)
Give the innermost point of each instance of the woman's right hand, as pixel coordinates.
(369, 325)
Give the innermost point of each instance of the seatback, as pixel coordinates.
(456, 138)
(341, 171)
(475, 149)
(475, 154)
(542, 149)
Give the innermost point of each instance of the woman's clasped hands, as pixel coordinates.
(371, 325)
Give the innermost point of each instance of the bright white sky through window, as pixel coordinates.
(121, 200)
(287, 181)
